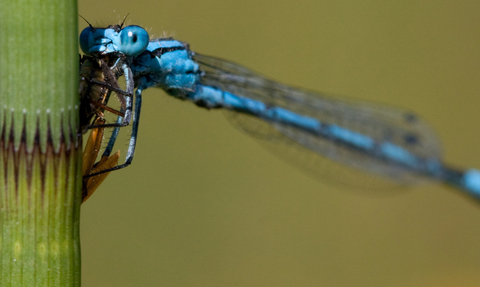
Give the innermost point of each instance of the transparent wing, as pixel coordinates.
(379, 122)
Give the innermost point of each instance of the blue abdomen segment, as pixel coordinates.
(211, 97)
(471, 182)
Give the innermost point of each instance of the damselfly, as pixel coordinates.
(389, 142)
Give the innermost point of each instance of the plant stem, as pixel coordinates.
(40, 148)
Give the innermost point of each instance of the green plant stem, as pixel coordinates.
(40, 149)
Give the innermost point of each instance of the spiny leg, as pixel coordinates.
(133, 137)
(121, 123)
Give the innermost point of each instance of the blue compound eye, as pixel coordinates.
(85, 39)
(133, 40)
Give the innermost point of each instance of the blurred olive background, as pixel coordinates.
(205, 205)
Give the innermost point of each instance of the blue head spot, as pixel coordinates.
(133, 40)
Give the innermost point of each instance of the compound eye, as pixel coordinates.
(85, 40)
(133, 40)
